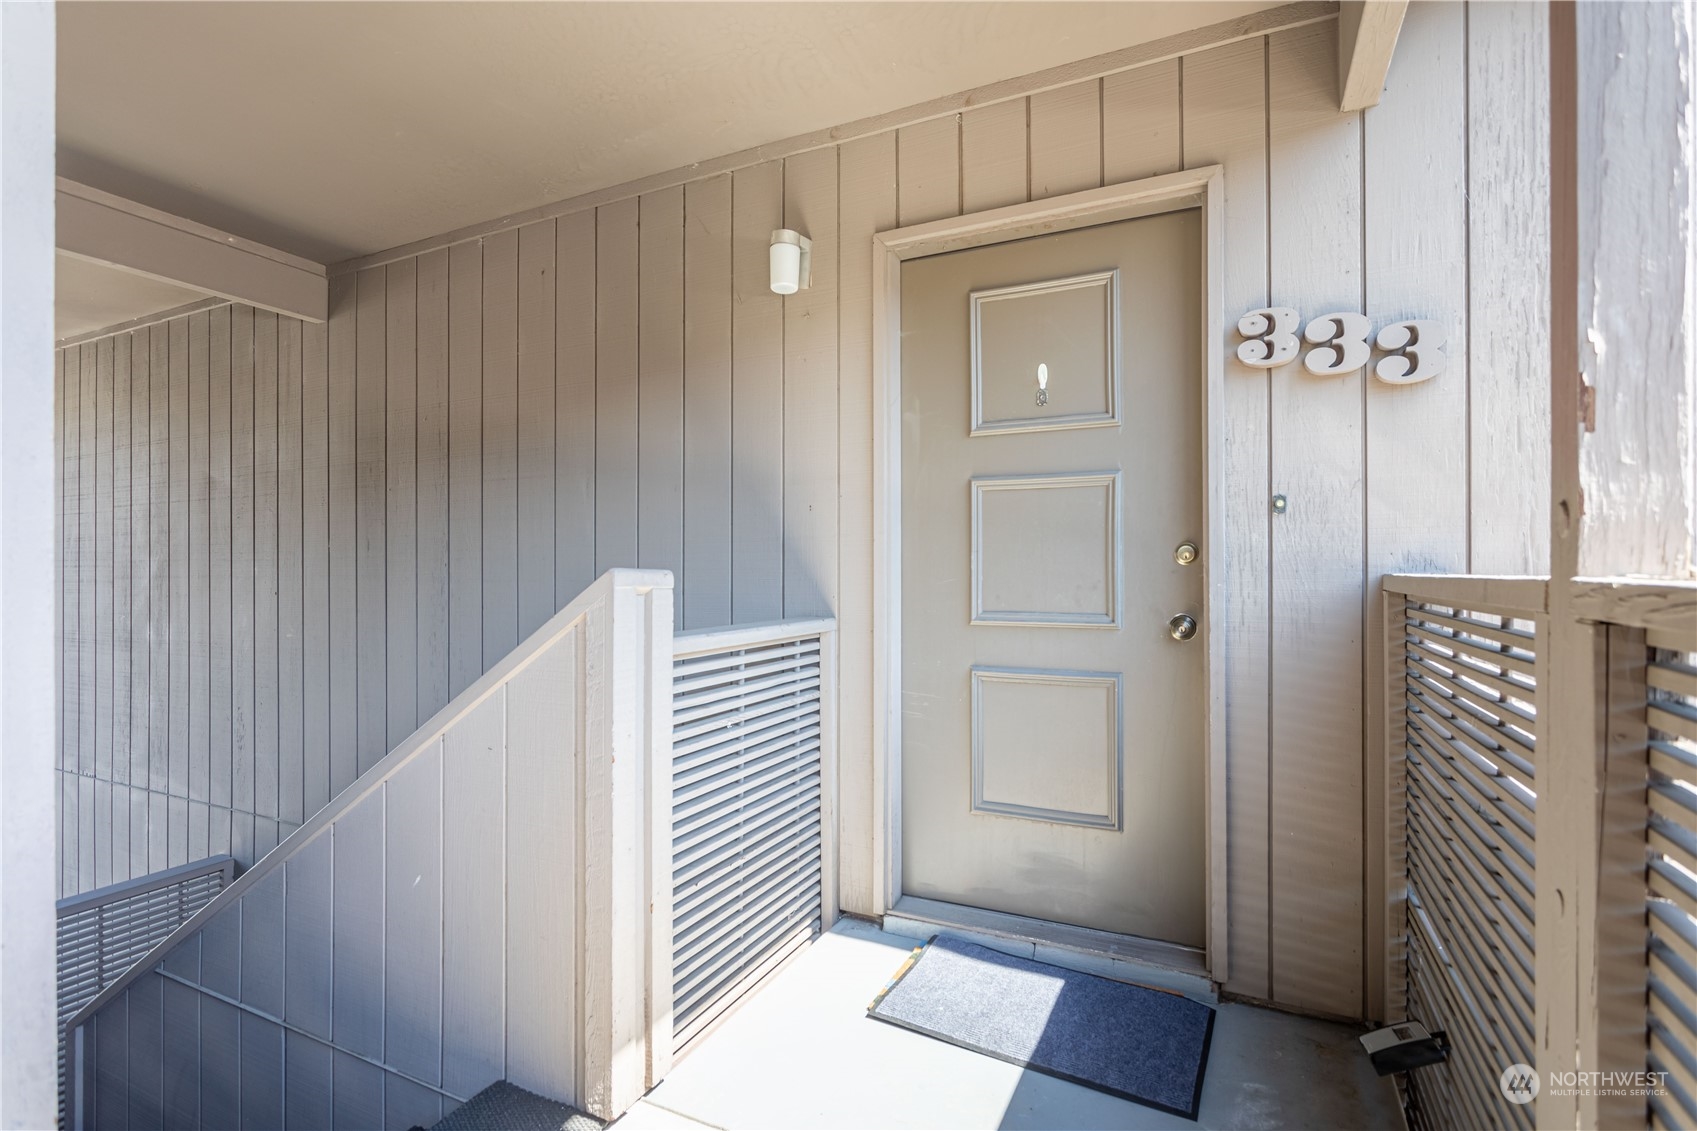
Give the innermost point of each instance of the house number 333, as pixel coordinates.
(1414, 349)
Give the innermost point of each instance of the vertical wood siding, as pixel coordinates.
(1225, 122)
(1318, 455)
(284, 546)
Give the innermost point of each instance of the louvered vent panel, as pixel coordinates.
(103, 933)
(1672, 942)
(746, 821)
(1471, 786)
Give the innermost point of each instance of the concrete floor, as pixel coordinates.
(803, 1054)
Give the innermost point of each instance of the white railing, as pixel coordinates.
(1462, 792)
(753, 771)
(490, 901)
(102, 933)
(539, 885)
(1523, 945)
(1671, 829)
(1639, 991)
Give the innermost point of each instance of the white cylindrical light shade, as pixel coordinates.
(786, 268)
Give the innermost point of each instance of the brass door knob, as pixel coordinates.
(1182, 627)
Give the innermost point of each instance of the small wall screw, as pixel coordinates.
(1279, 504)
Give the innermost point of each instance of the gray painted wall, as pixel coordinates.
(254, 611)
(28, 91)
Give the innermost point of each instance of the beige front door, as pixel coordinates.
(1052, 731)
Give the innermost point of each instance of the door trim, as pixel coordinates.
(1126, 958)
(1204, 188)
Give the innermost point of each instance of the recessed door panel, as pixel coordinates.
(1053, 759)
(1046, 745)
(1044, 354)
(1045, 550)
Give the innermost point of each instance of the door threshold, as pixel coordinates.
(1124, 958)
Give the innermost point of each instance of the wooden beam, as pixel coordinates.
(1367, 35)
(1570, 650)
(112, 331)
(103, 228)
(1519, 596)
(1637, 363)
(1621, 354)
(1623, 423)
(1659, 606)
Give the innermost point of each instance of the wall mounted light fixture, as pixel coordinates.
(791, 261)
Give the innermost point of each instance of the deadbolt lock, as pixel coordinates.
(1182, 627)
(1185, 553)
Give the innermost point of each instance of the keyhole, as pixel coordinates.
(1042, 384)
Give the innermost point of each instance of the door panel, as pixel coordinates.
(1053, 758)
(1045, 550)
(1069, 326)
(1073, 718)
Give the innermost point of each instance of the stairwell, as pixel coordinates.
(476, 908)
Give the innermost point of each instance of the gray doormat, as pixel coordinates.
(1129, 1041)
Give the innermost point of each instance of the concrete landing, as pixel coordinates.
(803, 1054)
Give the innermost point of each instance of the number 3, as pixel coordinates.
(1271, 336)
(1416, 352)
(1342, 342)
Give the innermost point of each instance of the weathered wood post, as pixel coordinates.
(1622, 503)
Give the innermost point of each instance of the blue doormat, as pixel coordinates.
(1129, 1041)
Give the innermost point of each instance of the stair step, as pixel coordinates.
(506, 1107)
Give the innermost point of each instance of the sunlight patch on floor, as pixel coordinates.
(803, 1054)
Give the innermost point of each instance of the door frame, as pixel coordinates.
(1202, 188)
